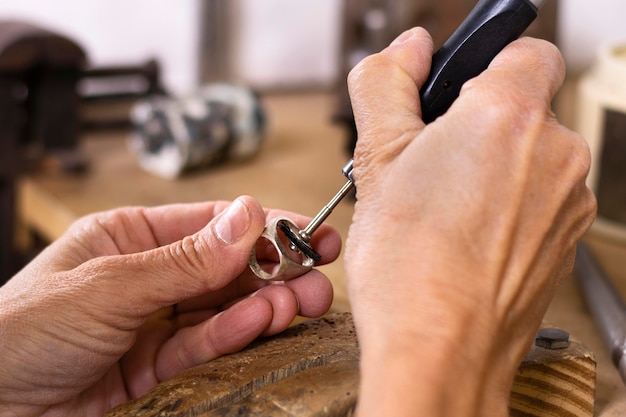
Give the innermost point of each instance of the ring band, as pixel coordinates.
(287, 267)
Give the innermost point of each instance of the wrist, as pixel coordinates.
(455, 374)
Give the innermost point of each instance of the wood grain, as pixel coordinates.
(555, 383)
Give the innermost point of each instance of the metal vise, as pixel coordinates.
(39, 71)
(41, 109)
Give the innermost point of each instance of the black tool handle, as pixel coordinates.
(489, 27)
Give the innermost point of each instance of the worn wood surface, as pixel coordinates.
(312, 370)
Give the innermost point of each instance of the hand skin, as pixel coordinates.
(89, 324)
(463, 229)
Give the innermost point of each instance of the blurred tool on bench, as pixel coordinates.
(174, 135)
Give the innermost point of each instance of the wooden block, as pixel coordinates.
(555, 383)
(312, 369)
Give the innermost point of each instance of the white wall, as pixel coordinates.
(288, 42)
(585, 25)
(281, 42)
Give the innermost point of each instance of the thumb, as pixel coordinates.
(197, 264)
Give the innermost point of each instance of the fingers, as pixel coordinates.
(384, 90)
(309, 284)
(527, 73)
(227, 332)
(403, 65)
(268, 311)
(528, 68)
(137, 365)
(312, 292)
(309, 295)
(199, 263)
(136, 229)
(284, 307)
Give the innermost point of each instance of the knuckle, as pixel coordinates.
(547, 52)
(192, 256)
(188, 255)
(370, 68)
(578, 155)
(584, 155)
(361, 70)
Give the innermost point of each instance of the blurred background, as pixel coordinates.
(143, 102)
(268, 43)
(109, 103)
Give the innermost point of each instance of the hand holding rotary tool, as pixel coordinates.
(489, 27)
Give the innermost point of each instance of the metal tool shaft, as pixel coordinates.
(606, 306)
(327, 210)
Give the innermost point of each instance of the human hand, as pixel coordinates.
(130, 297)
(463, 229)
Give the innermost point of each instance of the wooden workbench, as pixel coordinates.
(299, 169)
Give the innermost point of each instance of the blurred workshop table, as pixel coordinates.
(299, 169)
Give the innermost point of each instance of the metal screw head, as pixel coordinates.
(552, 338)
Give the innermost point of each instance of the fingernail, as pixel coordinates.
(233, 222)
(405, 36)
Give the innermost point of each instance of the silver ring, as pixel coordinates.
(288, 267)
